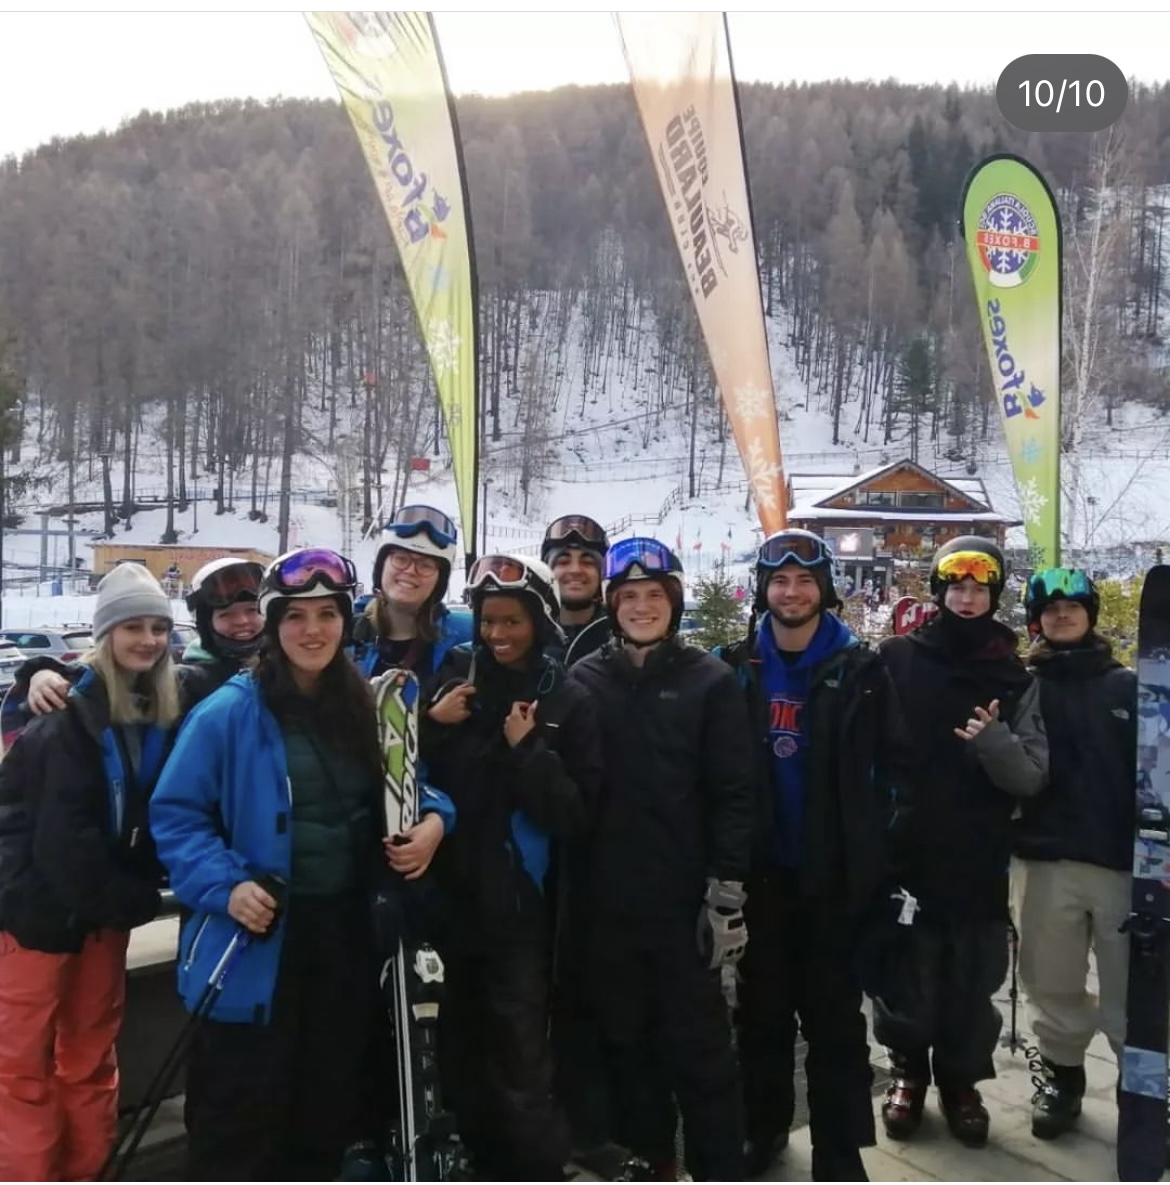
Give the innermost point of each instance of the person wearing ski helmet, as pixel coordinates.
(981, 748)
(826, 750)
(405, 623)
(667, 860)
(223, 602)
(574, 547)
(1073, 843)
(278, 776)
(516, 748)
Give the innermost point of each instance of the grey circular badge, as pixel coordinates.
(1062, 92)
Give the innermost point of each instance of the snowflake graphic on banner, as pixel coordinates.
(1032, 502)
(1032, 451)
(752, 402)
(762, 474)
(444, 344)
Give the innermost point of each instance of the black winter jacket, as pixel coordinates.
(1089, 703)
(512, 804)
(855, 778)
(953, 847)
(678, 801)
(64, 871)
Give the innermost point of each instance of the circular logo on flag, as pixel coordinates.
(365, 33)
(784, 746)
(1008, 243)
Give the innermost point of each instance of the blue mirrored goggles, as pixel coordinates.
(806, 550)
(648, 554)
(1052, 583)
(410, 520)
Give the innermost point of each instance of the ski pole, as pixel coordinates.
(122, 1153)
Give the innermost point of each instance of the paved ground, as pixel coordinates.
(1012, 1154)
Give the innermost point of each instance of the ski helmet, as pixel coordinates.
(643, 558)
(1060, 584)
(217, 585)
(968, 555)
(306, 573)
(794, 545)
(573, 530)
(425, 531)
(520, 576)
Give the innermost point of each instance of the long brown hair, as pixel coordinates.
(340, 710)
(425, 619)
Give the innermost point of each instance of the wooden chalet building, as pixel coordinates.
(900, 511)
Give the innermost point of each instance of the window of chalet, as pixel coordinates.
(877, 498)
(921, 501)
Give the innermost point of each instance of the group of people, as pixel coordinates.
(614, 824)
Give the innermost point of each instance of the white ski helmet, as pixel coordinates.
(522, 576)
(425, 531)
(305, 573)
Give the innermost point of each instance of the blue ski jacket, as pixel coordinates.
(220, 815)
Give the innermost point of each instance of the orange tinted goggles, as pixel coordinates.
(981, 567)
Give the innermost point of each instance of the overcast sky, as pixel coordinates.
(63, 74)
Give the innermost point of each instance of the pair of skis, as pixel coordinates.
(1142, 1127)
(425, 1146)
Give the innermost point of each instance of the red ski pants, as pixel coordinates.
(59, 1018)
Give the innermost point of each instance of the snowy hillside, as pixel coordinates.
(622, 458)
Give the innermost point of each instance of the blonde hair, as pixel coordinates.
(151, 699)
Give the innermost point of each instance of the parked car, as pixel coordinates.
(11, 658)
(62, 643)
(182, 635)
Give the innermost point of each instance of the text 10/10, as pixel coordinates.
(1042, 93)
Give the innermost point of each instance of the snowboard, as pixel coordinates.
(910, 613)
(425, 1147)
(1142, 1126)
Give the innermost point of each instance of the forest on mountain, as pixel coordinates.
(218, 285)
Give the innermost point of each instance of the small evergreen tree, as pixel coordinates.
(719, 614)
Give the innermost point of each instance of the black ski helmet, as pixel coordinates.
(519, 576)
(217, 585)
(643, 558)
(793, 545)
(1060, 584)
(573, 530)
(992, 572)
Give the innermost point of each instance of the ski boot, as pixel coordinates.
(1057, 1101)
(966, 1115)
(760, 1154)
(902, 1110)
(364, 1161)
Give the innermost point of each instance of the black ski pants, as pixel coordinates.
(582, 1083)
(282, 1101)
(495, 1060)
(666, 1036)
(939, 1015)
(797, 971)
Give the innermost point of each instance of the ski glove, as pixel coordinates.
(722, 931)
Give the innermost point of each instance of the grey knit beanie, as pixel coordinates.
(126, 592)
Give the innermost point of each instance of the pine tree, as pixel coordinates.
(718, 613)
(916, 387)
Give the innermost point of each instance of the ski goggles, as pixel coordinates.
(410, 520)
(1052, 583)
(300, 571)
(809, 551)
(575, 528)
(647, 554)
(502, 570)
(981, 567)
(228, 585)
